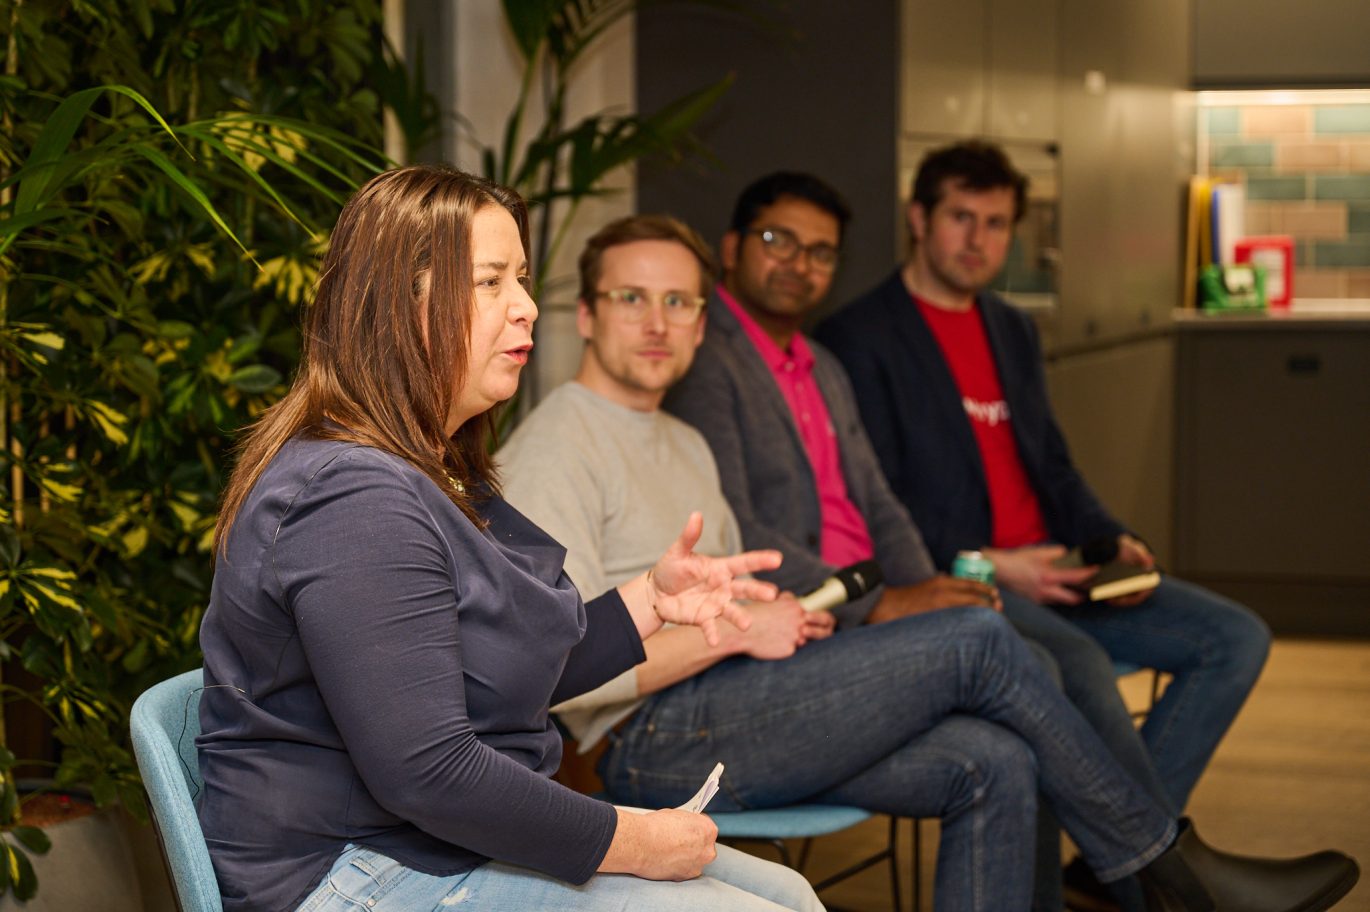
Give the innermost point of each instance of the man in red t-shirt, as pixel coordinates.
(951, 388)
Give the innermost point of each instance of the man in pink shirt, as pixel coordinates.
(777, 410)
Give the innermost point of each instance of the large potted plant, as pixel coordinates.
(168, 170)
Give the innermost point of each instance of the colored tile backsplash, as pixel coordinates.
(1243, 155)
(1341, 253)
(1341, 119)
(1292, 187)
(1358, 218)
(1222, 121)
(1342, 187)
(1306, 168)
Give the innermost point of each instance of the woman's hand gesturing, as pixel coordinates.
(688, 588)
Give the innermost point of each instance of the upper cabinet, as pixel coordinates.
(980, 68)
(943, 67)
(1022, 69)
(1275, 43)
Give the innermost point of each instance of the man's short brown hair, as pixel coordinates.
(643, 228)
(972, 164)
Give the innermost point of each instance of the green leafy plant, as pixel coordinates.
(561, 162)
(168, 172)
(567, 163)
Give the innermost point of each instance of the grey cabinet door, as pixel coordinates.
(1273, 472)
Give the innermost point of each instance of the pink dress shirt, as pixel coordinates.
(846, 539)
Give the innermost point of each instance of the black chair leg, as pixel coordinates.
(917, 865)
(784, 851)
(894, 861)
(804, 854)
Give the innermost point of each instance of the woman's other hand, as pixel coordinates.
(661, 845)
(689, 588)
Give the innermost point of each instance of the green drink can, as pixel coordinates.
(973, 565)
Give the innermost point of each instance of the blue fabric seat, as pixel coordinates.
(805, 821)
(795, 821)
(164, 722)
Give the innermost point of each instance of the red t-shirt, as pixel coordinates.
(1015, 513)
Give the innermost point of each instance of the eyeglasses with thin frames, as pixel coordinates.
(782, 245)
(634, 304)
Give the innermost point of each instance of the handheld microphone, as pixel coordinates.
(846, 585)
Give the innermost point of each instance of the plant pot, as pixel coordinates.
(91, 864)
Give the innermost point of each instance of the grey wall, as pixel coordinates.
(816, 90)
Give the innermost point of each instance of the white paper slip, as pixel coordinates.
(706, 791)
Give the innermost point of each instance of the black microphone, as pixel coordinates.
(846, 585)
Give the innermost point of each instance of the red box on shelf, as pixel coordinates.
(1274, 253)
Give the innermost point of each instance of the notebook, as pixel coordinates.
(1114, 578)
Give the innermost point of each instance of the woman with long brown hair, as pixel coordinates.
(385, 634)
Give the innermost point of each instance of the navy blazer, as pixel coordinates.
(731, 397)
(913, 413)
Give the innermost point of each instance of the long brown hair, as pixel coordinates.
(385, 339)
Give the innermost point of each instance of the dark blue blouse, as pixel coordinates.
(378, 671)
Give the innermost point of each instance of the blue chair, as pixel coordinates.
(165, 721)
(806, 821)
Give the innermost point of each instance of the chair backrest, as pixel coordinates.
(165, 721)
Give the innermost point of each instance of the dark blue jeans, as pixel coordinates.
(1213, 647)
(946, 714)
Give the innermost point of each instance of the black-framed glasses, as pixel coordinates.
(781, 244)
(635, 303)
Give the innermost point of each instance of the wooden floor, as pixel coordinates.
(1292, 776)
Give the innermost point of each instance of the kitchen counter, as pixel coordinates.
(1310, 314)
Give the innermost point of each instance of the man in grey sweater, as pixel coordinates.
(599, 466)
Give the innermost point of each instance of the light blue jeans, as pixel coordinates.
(947, 715)
(365, 881)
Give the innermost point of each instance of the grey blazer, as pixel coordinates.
(731, 397)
